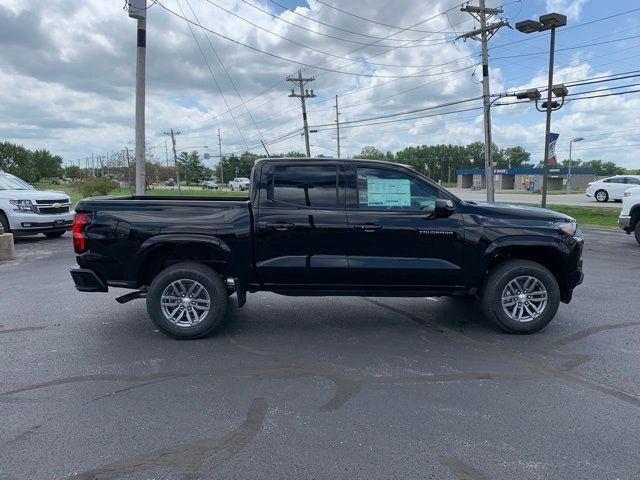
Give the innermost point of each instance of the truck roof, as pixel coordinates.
(329, 159)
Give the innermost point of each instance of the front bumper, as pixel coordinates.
(31, 223)
(624, 222)
(87, 280)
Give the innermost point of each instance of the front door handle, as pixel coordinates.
(281, 226)
(368, 227)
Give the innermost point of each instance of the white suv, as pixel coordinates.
(27, 211)
(240, 183)
(629, 219)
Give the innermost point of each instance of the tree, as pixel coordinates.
(604, 169)
(371, 153)
(515, 157)
(17, 160)
(72, 171)
(47, 165)
(192, 168)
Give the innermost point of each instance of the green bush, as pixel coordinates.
(96, 186)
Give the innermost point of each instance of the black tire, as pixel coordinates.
(54, 234)
(636, 231)
(211, 283)
(604, 196)
(496, 283)
(4, 222)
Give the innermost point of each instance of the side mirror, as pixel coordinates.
(444, 208)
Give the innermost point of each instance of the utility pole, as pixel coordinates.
(126, 149)
(483, 35)
(220, 150)
(173, 134)
(301, 82)
(138, 10)
(166, 152)
(337, 126)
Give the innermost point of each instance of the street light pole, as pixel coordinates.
(138, 10)
(545, 171)
(570, 179)
(550, 21)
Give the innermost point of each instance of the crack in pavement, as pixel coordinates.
(192, 460)
(461, 469)
(21, 329)
(533, 365)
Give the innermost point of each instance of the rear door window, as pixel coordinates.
(313, 186)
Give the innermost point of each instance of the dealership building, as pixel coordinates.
(527, 179)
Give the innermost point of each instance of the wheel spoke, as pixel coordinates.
(524, 298)
(185, 302)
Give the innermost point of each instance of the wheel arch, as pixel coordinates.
(161, 251)
(546, 251)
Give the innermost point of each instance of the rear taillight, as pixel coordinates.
(80, 221)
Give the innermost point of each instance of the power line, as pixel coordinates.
(278, 17)
(307, 46)
(215, 52)
(224, 98)
(408, 29)
(281, 57)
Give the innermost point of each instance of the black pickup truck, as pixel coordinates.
(326, 227)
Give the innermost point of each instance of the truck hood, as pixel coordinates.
(33, 195)
(505, 210)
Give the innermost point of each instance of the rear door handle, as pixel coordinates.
(279, 226)
(368, 227)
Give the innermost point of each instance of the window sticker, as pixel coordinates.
(384, 192)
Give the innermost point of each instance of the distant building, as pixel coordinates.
(526, 179)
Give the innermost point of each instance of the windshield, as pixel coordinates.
(9, 182)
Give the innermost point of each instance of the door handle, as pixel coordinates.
(281, 226)
(368, 227)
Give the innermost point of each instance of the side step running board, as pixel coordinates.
(132, 296)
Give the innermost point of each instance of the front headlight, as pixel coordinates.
(567, 227)
(627, 194)
(22, 206)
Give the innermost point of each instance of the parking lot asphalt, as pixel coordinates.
(371, 388)
(506, 196)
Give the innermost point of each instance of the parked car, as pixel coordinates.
(240, 183)
(322, 227)
(629, 219)
(612, 188)
(27, 211)
(169, 183)
(209, 185)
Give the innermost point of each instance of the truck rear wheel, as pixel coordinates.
(187, 300)
(521, 296)
(636, 231)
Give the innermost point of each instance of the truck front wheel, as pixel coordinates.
(521, 296)
(636, 231)
(187, 300)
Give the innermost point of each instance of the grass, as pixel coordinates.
(601, 217)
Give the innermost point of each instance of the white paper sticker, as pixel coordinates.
(383, 192)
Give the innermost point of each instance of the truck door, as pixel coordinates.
(396, 242)
(301, 226)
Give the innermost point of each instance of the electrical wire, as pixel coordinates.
(312, 48)
(224, 98)
(215, 52)
(279, 18)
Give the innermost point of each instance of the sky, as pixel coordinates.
(67, 70)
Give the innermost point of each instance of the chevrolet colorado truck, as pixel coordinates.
(326, 227)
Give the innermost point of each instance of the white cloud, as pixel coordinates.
(570, 8)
